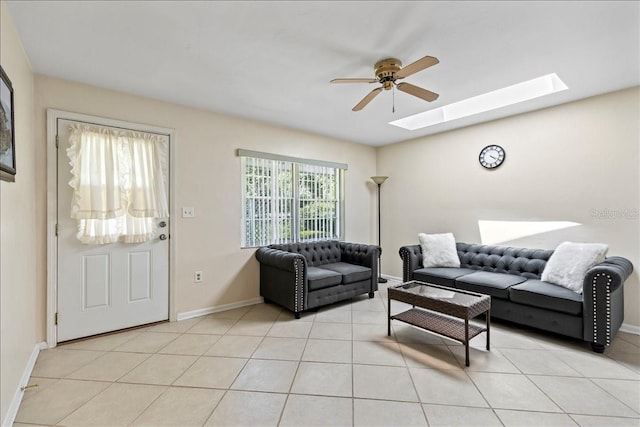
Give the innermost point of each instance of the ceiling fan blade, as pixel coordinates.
(365, 80)
(414, 90)
(419, 65)
(367, 99)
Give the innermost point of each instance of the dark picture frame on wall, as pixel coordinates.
(7, 130)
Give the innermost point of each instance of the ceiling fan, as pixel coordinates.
(389, 70)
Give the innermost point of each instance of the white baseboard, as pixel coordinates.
(24, 380)
(217, 308)
(632, 329)
(394, 278)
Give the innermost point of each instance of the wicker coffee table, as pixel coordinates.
(445, 311)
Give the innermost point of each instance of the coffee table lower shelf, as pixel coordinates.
(450, 327)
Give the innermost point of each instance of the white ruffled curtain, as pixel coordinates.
(119, 183)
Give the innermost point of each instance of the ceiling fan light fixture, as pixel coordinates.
(499, 98)
(389, 70)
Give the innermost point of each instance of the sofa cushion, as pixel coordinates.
(351, 273)
(440, 275)
(541, 294)
(319, 278)
(485, 282)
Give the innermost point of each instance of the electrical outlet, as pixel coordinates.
(197, 276)
(188, 212)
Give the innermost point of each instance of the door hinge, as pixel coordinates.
(56, 141)
(56, 230)
(56, 319)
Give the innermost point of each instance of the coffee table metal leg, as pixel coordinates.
(488, 328)
(388, 315)
(466, 341)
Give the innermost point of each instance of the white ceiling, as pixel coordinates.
(272, 61)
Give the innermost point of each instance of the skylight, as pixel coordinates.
(504, 97)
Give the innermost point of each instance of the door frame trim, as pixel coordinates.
(53, 116)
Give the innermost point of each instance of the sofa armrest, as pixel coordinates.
(364, 255)
(411, 260)
(283, 278)
(359, 254)
(279, 259)
(603, 299)
(617, 270)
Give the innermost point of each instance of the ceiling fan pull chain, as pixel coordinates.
(393, 98)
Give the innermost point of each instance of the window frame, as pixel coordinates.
(296, 164)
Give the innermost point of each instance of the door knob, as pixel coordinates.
(162, 224)
(163, 237)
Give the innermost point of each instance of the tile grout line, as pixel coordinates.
(610, 394)
(289, 393)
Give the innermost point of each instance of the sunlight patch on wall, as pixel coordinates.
(494, 232)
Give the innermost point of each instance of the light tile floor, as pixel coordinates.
(258, 366)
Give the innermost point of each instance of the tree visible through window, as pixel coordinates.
(288, 201)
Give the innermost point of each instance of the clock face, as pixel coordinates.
(491, 156)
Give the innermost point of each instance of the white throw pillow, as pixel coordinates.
(439, 250)
(569, 263)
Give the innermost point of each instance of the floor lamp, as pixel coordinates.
(379, 180)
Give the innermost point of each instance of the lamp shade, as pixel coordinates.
(379, 179)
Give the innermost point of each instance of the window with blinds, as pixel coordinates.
(290, 200)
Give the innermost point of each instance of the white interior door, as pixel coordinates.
(104, 288)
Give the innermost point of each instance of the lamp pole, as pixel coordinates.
(379, 180)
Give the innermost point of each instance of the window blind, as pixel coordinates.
(287, 199)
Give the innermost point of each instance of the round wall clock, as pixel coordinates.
(491, 156)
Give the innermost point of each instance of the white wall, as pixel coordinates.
(575, 162)
(18, 237)
(208, 177)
